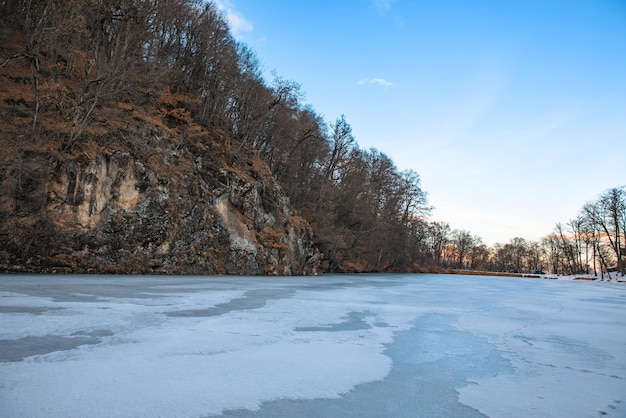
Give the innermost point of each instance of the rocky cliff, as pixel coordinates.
(103, 169)
(145, 198)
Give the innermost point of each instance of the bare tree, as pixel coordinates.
(463, 241)
(608, 216)
(479, 256)
(439, 237)
(342, 142)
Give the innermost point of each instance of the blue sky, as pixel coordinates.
(512, 112)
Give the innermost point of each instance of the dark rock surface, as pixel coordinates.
(149, 205)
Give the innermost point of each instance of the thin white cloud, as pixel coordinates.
(378, 81)
(239, 25)
(383, 6)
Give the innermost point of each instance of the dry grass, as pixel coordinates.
(485, 273)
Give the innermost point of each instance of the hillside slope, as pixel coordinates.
(145, 190)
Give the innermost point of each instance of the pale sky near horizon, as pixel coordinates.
(513, 113)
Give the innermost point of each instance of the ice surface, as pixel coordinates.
(366, 345)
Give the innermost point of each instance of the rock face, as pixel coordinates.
(149, 204)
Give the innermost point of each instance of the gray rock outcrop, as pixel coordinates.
(148, 206)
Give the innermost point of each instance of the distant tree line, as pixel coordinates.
(591, 243)
(365, 213)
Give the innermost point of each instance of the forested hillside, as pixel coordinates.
(123, 120)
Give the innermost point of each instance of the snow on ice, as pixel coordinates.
(348, 345)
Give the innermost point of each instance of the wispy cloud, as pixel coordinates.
(383, 6)
(378, 81)
(239, 25)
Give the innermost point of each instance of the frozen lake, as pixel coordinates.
(331, 346)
